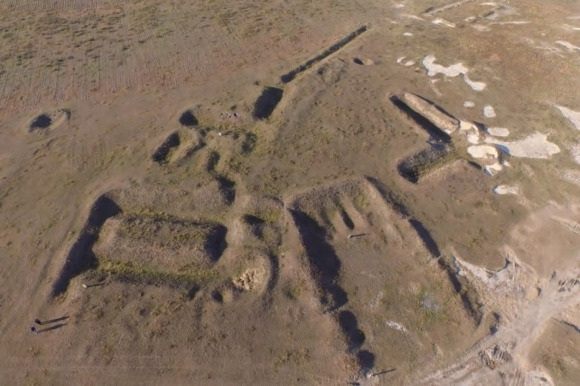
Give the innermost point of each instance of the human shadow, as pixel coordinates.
(51, 328)
(39, 322)
(55, 327)
(383, 372)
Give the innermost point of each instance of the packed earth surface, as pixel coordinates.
(322, 192)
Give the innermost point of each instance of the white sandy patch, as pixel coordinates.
(572, 176)
(544, 46)
(506, 189)
(489, 112)
(409, 63)
(375, 302)
(572, 226)
(451, 71)
(514, 22)
(480, 28)
(443, 22)
(434, 69)
(482, 151)
(400, 59)
(468, 104)
(473, 138)
(534, 146)
(467, 126)
(471, 131)
(396, 326)
(498, 131)
(407, 34)
(571, 47)
(575, 153)
(505, 282)
(501, 11)
(480, 273)
(415, 17)
(571, 115)
(493, 169)
(573, 28)
(477, 86)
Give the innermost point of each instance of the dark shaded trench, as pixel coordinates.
(81, 256)
(325, 268)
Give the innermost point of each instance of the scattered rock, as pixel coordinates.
(571, 115)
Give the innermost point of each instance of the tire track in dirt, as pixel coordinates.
(506, 350)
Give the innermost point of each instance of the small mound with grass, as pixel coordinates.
(160, 243)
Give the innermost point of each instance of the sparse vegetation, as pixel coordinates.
(555, 365)
(127, 272)
(294, 291)
(292, 356)
(223, 205)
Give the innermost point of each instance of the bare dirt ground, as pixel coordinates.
(290, 192)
